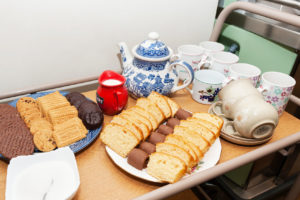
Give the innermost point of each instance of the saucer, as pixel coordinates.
(229, 133)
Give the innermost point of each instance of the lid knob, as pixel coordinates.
(153, 36)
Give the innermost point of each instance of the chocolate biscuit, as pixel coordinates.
(15, 141)
(75, 99)
(15, 138)
(156, 137)
(147, 147)
(172, 122)
(164, 129)
(182, 114)
(7, 116)
(138, 158)
(90, 114)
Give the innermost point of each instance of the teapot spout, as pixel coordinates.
(125, 55)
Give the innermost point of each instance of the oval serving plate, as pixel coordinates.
(210, 159)
(75, 147)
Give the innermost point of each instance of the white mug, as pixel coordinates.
(219, 61)
(276, 88)
(243, 70)
(206, 86)
(253, 117)
(211, 47)
(234, 91)
(192, 54)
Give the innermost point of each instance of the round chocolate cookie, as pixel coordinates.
(90, 114)
(75, 99)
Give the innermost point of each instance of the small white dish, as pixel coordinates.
(47, 176)
(210, 159)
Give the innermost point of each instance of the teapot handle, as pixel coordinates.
(190, 71)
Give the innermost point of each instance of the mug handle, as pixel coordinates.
(116, 97)
(190, 71)
(205, 60)
(174, 57)
(262, 89)
(213, 107)
(228, 80)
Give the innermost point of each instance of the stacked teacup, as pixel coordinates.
(249, 114)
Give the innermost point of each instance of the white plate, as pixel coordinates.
(210, 159)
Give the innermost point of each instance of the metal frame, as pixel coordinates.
(290, 3)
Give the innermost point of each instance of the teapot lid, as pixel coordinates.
(152, 49)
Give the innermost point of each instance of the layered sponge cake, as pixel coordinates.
(119, 139)
(166, 167)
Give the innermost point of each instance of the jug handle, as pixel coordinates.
(190, 71)
(116, 105)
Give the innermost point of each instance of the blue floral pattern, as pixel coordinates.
(140, 80)
(142, 85)
(123, 54)
(156, 49)
(149, 66)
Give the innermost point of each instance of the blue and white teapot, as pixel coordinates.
(151, 68)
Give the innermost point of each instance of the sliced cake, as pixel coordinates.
(192, 137)
(122, 121)
(177, 151)
(161, 102)
(210, 117)
(152, 108)
(206, 133)
(119, 139)
(173, 105)
(146, 114)
(139, 117)
(214, 128)
(183, 143)
(165, 167)
(138, 123)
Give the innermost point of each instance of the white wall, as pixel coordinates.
(50, 41)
